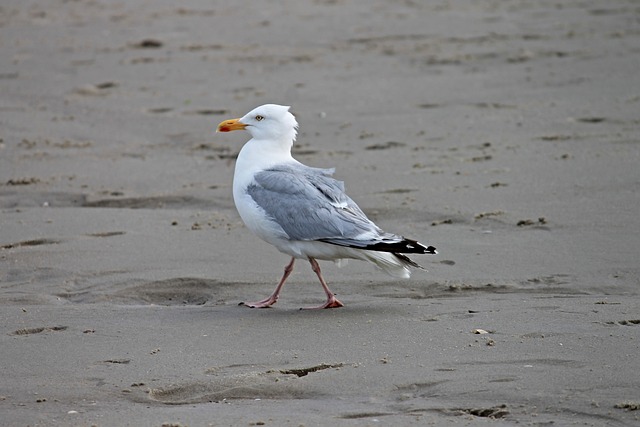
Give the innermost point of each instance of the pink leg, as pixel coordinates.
(332, 301)
(273, 298)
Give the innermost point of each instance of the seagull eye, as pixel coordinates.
(259, 118)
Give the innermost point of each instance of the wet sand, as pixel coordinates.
(505, 134)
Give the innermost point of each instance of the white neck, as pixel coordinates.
(257, 155)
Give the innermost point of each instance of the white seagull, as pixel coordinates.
(303, 211)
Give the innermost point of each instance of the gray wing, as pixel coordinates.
(311, 205)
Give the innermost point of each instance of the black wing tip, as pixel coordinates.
(406, 246)
(430, 250)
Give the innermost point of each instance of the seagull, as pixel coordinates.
(303, 211)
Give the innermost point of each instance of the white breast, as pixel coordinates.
(254, 157)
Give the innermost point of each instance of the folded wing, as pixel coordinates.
(310, 205)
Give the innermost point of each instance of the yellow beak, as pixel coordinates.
(229, 125)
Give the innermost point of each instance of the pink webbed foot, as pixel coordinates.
(265, 303)
(332, 302)
(273, 298)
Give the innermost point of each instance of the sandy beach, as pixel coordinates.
(505, 134)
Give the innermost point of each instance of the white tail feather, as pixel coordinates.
(389, 263)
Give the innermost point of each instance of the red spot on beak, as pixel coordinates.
(230, 125)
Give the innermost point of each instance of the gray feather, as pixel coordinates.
(310, 205)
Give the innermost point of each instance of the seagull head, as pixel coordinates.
(266, 122)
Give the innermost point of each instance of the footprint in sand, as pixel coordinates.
(244, 382)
